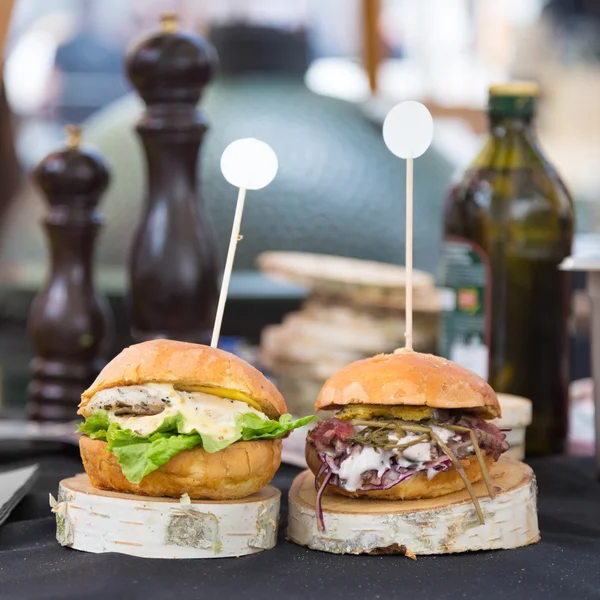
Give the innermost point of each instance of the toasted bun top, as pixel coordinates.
(409, 378)
(187, 366)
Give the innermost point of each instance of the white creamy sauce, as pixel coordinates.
(204, 413)
(444, 434)
(419, 453)
(352, 468)
(409, 437)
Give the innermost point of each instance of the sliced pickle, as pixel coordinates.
(370, 411)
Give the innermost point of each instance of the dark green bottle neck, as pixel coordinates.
(511, 144)
(504, 126)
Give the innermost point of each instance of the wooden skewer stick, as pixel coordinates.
(409, 254)
(407, 132)
(233, 242)
(248, 164)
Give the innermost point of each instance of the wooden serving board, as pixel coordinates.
(433, 526)
(99, 521)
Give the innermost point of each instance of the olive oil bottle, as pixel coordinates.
(508, 224)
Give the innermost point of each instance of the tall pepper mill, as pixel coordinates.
(70, 323)
(173, 261)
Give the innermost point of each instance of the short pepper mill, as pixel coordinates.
(173, 262)
(70, 323)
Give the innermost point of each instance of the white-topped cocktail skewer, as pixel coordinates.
(407, 132)
(248, 164)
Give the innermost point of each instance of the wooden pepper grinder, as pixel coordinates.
(173, 266)
(70, 324)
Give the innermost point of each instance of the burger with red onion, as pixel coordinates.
(408, 425)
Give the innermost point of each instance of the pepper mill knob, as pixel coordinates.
(173, 267)
(70, 324)
(72, 177)
(171, 66)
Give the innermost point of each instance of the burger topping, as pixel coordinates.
(332, 436)
(419, 453)
(351, 470)
(143, 408)
(149, 399)
(370, 411)
(377, 454)
(226, 393)
(445, 434)
(202, 413)
(152, 398)
(145, 426)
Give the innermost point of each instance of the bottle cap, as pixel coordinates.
(515, 88)
(514, 99)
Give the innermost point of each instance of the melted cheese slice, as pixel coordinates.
(225, 393)
(207, 414)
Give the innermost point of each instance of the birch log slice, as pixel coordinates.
(431, 526)
(99, 521)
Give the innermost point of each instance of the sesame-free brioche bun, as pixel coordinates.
(417, 486)
(187, 366)
(409, 378)
(235, 472)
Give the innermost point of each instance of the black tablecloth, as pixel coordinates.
(565, 564)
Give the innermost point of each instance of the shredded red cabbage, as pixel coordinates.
(390, 477)
(322, 469)
(332, 440)
(319, 504)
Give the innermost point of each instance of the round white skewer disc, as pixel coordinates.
(408, 129)
(249, 163)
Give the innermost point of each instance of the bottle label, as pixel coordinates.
(465, 280)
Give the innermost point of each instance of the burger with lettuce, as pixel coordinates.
(165, 418)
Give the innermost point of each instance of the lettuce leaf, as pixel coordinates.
(95, 426)
(255, 428)
(139, 455)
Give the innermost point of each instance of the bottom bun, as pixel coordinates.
(417, 486)
(235, 472)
